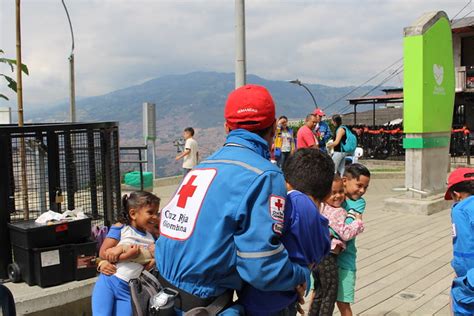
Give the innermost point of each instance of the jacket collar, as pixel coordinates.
(249, 140)
(464, 202)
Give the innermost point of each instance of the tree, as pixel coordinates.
(10, 81)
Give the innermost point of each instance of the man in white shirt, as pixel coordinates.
(190, 153)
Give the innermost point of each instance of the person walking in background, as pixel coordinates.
(305, 136)
(190, 153)
(284, 141)
(339, 156)
(322, 130)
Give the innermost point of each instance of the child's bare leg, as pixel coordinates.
(344, 308)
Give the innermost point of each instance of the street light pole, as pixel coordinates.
(240, 62)
(299, 83)
(72, 83)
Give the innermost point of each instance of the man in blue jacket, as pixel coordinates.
(223, 225)
(322, 130)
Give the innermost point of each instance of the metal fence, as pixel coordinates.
(130, 158)
(57, 167)
(386, 142)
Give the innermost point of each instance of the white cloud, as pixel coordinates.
(124, 42)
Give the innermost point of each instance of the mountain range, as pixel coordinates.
(195, 99)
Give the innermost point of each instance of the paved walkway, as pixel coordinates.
(403, 260)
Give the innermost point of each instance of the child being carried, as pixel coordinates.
(326, 273)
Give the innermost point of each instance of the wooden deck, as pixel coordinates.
(403, 260)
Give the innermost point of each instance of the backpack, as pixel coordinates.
(350, 145)
(99, 233)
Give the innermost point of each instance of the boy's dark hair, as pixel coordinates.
(136, 200)
(356, 170)
(337, 119)
(337, 177)
(190, 130)
(310, 171)
(463, 187)
(283, 117)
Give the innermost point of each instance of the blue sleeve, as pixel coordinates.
(327, 133)
(262, 260)
(308, 239)
(115, 232)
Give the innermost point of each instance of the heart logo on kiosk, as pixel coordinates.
(438, 73)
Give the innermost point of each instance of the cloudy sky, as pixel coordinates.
(120, 43)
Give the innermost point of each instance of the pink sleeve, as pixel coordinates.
(337, 221)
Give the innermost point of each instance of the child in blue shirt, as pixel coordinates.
(356, 181)
(305, 233)
(461, 191)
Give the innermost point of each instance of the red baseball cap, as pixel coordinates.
(458, 176)
(250, 107)
(319, 112)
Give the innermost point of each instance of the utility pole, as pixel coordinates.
(240, 62)
(19, 92)
(72, 82)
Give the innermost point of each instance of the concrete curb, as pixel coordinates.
(161, 182)
(388, 175)
(30, 299)
(428, 206)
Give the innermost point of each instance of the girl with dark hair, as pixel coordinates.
(339, 156)
(125, 241)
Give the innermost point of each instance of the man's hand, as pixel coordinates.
(152, 249)
(112, 254)
(131, 253)
(301, 291)
(150, 265)
(358, 216)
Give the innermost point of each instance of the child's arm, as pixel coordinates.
(132, 253)
(112, 240)
(345, 231)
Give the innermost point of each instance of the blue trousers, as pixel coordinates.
(111, 297)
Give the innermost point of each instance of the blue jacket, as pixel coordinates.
(462, 217)
(462, 293)
(306, 237)
(325, 133)
(223, 225)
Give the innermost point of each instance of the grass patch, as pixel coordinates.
(398, 169)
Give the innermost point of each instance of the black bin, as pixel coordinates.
(45, 266)
(28, 234)
(84, 256)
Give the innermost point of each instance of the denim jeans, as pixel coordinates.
(281, 160)
(339, 159)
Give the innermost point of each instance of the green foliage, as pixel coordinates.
(295, 126)
(11, 83)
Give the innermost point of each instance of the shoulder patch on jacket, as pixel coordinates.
(277, 208)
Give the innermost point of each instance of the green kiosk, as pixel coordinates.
(429, 89)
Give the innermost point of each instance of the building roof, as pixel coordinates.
(464, 25)
(377, 99)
